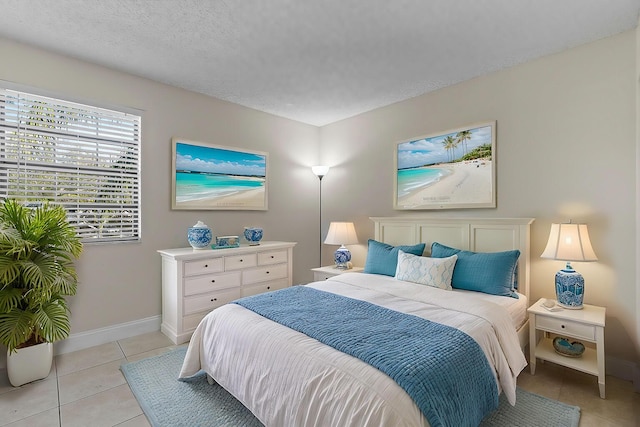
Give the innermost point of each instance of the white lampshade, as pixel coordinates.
(569, 242)
(320, 170)
(341, 233)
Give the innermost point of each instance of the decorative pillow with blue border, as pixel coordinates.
(488, 272)
(435, 272)
(382, 258)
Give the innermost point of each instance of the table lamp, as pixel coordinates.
(341, 233)
(569, 242)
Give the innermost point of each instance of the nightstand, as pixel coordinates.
(323, 273)
(581, 325)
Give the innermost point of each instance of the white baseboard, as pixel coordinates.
(87, 339)
(100, 336)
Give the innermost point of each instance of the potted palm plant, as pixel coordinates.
(38, 247)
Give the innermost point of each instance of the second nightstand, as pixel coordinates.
(323, 273)
(586, 324)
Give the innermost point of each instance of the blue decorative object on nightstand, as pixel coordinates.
(563, 347)
(253, 235)
(199, 236)
(342, 256)
(569, 287)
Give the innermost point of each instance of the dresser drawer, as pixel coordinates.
(189, 323)
(274, 285)
(567, 327)
(263, 274)
(272, 257)
(210, 265)
(210, 300)
(210, 282)
(238, 262)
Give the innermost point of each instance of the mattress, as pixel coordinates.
(287, 378)
(516, 307)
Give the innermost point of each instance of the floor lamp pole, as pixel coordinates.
(320, 172)
(320, 225)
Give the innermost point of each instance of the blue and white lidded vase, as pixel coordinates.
(342, 256)
(253, 235)
(569, 288)
(199, 236)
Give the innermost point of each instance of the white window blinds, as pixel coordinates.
(84, 158)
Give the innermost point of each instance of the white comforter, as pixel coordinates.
(288, 379)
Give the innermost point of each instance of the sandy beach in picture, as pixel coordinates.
(467, 182)
(253, 198)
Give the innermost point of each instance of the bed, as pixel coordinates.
(292, 376)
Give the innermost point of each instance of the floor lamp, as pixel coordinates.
(320, 172)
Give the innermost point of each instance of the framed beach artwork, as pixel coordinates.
(449, 170)
(215, 177)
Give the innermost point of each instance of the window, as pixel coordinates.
(81, 157)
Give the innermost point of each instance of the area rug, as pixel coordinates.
(168, 402)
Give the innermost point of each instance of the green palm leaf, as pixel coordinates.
(10, 298)
(16, 327)
(53, 321)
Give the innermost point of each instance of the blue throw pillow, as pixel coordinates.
(382, 258)
(488, 272)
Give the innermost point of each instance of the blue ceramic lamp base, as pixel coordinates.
(569, 288)
(342, 257)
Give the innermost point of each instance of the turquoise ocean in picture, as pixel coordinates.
(410, 180)
(197, 186)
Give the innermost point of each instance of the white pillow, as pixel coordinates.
(436, 272)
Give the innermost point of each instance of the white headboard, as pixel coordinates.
(473, 234)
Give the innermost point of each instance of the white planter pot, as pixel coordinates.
(29, 364)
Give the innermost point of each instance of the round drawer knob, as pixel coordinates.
(241, 260)
(206, 265)
(267, 272)
(268, 287)
(214, 299)
(562, 326)
(272, 257)
(213, 281)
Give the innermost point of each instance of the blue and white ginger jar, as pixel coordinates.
(569, 288)
(253, 235)
(199, 236)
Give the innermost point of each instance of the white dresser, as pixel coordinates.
(194, 282)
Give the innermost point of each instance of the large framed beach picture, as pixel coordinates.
(449, 170)
(215, 177)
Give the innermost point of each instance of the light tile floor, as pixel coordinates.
(86, 388)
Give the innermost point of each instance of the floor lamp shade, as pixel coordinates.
(569, 242)
(341, 233)
(320, 171)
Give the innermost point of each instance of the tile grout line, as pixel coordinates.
(58, 393)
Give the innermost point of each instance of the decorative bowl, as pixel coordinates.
(563, 347)
(253, 235)
(199, 236)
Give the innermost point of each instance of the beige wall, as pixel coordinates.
(121, 282)
(566, 144)
(566, 149)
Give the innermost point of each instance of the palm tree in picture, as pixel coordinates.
(449, 144)
(463, 137)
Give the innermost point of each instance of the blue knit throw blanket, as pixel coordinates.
(443, 369)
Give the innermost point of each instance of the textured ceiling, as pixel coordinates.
(312, 61)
